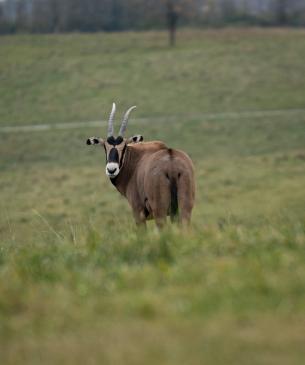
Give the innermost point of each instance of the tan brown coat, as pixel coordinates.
(157, 181)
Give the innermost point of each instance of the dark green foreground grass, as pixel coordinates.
(78, 283)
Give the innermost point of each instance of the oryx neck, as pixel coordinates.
(129, 162)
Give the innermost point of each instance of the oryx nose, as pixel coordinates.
(111, 170)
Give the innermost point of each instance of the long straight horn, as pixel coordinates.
(111, 118)
(125, 121)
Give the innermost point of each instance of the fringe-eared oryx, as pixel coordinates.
(157, 181)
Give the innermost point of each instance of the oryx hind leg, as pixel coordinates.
(186, 198)
(159, 200)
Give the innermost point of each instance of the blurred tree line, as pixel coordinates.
(117, 15)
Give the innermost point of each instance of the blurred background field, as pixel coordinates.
(75, 77)
(78, 283)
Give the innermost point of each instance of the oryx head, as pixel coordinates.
(115, 147)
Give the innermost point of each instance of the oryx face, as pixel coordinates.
(115, 147)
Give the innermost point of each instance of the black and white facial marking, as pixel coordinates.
(136, 139)
(115, 150)
(94, 140)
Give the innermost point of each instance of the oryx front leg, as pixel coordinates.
(139, 217)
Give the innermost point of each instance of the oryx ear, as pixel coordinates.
(95, 140)
(135, 139)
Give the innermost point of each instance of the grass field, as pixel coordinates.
(78, 283)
